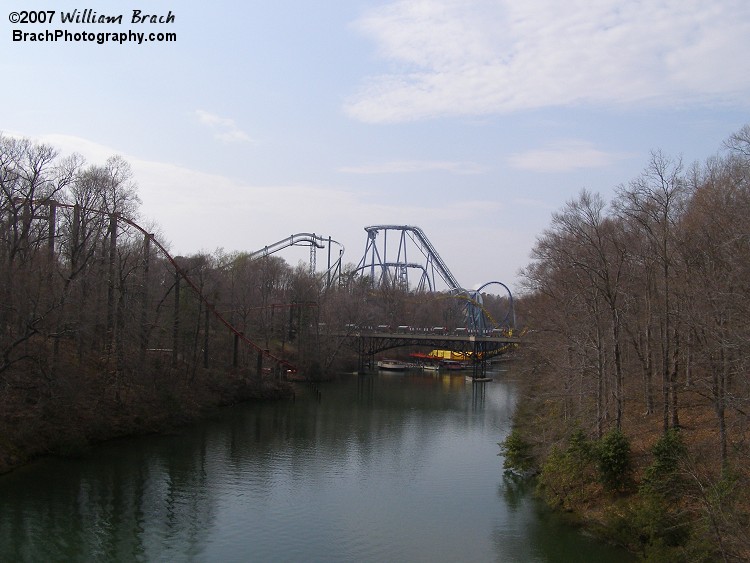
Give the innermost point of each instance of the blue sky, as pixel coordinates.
(472, 119)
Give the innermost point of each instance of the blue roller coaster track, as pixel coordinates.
(386, 266)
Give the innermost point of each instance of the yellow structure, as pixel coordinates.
(448, 355)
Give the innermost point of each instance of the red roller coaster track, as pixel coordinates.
(181, 272)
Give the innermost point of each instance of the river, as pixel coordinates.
(381, 467)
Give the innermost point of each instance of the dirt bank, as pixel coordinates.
(67, 414)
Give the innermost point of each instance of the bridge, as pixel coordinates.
(480, 348)
(381, 265)
(391, 253)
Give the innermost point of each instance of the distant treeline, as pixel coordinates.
(639, 353)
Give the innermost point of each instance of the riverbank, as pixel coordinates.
(80, 407)
(663, 496)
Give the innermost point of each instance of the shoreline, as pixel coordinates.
(54, 426)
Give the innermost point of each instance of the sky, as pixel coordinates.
(474, 120)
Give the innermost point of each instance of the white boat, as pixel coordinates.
(431, 367)
(392, 365)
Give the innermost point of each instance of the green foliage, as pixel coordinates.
(517, 452)
(652, 527)
(657, 524)
(662, 476)
(654, 523)
(725, 516)
(613, 460)
(566, 478)
(579, 446)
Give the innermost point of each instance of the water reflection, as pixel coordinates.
(114, 502)
(373, 468)
(533, 533)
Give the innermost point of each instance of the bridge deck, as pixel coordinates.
(371, 342)
(428, 337)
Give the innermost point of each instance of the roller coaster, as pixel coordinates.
(375, 266)
(384, 266)
(333, 271)
(115, 221)
(382, 269)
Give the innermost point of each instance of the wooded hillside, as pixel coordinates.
(638, 355)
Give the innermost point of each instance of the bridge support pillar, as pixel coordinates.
(360, 355)
(479, 367)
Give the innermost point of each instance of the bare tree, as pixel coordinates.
(654, 202)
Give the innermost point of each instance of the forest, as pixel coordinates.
(103, 333)
(635, 412)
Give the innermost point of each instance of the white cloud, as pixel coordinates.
(563, 156)
(406, 166)
(474, 57)
(94, 153)
(192, 210)
(224, 129)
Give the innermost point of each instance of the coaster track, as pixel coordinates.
(393, 272)
(386, 271)
(281, 362)
(397, 271)
(332, 273)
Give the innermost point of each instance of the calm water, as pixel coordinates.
(379, 468)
